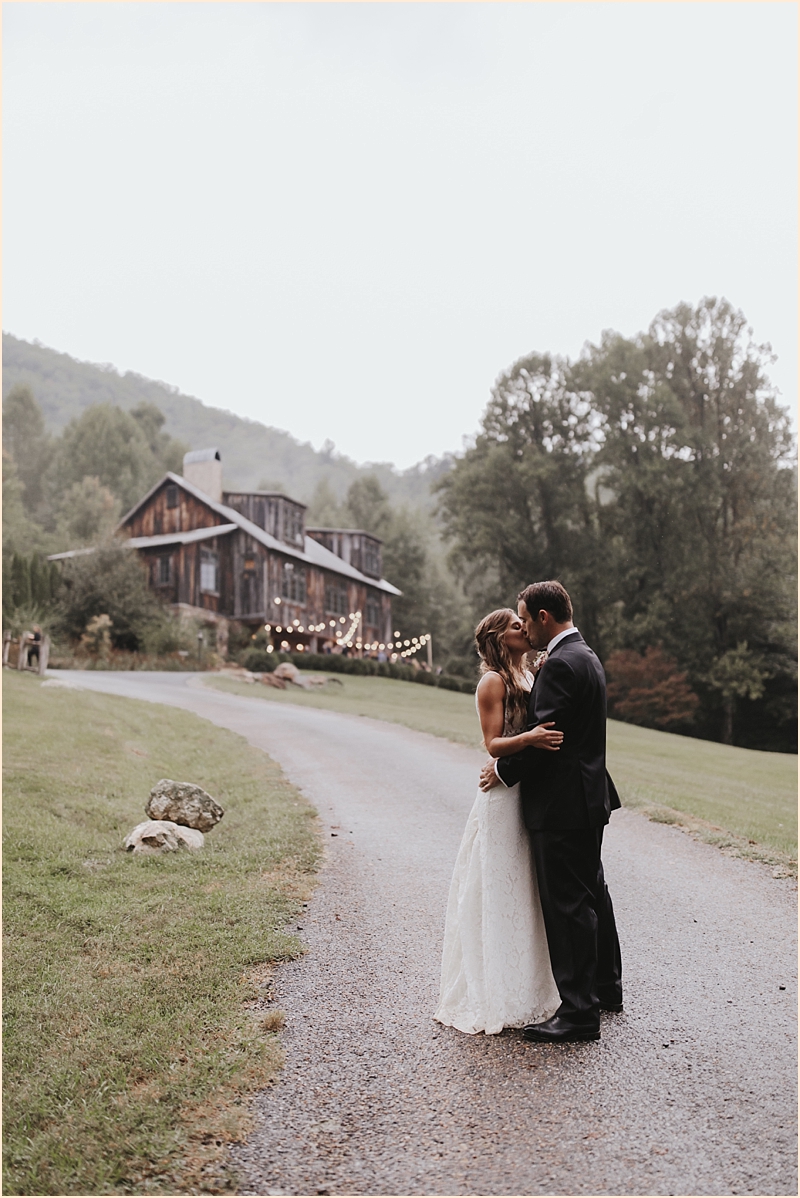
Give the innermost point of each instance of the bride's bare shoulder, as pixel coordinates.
(491, 686)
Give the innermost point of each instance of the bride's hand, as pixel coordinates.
(545, 736)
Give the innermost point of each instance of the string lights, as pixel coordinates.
(346, 637)
(411, 646)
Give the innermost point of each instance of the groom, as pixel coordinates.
(567, 798)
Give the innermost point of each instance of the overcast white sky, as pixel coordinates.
(346, 219)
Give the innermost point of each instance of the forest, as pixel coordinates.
(655, 476)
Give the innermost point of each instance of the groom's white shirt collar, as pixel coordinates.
(557, 639)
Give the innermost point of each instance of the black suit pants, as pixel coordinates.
(579, 919)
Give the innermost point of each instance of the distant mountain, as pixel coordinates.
(252, 453)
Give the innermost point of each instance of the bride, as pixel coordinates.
(495, 965)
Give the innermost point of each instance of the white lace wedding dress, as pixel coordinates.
(495, 964)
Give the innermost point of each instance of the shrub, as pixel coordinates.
(449, 683)
(335, 663)
(166, 633)
(259, 661)
(424, 678)
(96, 640)
(649, 689)
(112, 582)
(29, 583)
(463, 667)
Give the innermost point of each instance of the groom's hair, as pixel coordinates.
(548, 595)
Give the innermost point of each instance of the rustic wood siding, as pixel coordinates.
(247, 596)
(282, 518)
(249, 576)
(358, 549)
(156, 518)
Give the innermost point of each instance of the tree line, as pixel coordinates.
(655, 477)
(61, 492)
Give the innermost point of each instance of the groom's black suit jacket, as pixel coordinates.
(571, 788)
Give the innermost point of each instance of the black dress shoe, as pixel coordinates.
(558, 1031)
(611, 1006)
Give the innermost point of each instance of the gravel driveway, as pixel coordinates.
(691, 1091)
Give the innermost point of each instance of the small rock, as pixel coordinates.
(287, 669)
(162, 836)
(183, 803)
(288, 672)
(271, 680)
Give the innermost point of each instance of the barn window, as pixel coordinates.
(163, 571)
(293, 523)
(336, 599)
(172, 496)
(373, 612)
(293, 586)
(372, 558)
(209, 563)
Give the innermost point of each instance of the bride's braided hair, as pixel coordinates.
(495, 656)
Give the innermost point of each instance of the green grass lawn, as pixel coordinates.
(750, 794)
(131, 1032)
(441, 712)
(746, 795)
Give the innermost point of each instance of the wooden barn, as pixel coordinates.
(247, 555)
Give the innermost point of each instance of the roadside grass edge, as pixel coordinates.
(139, 1016)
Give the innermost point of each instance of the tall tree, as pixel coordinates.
(699, 520)
(27, 442)
(125, 452)
(654, 477)
(368, 505)
(21, 534)
(325, 510)
(427, 603)
(88, 514)
(165, 449)
(516, 505)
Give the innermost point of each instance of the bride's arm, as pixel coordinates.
(491, 695)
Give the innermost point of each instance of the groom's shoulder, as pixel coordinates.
(575, 651)
(571, 646)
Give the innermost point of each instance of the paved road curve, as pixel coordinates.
(690, 1091)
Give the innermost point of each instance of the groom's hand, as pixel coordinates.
(489, 778)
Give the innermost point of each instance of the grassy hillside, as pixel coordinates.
(251, 452)
(135, 1004)
(740, 799)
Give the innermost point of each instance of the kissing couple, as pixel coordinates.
(530, 939)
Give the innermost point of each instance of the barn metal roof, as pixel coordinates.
(180, 538)
(59, 557)
(164, 538)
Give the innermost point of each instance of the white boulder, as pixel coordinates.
(162, 836)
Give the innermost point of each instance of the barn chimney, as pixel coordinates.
(203, 469)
